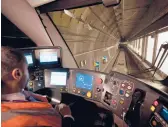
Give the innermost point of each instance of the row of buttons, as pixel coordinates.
(162, 121)
(122, 92)
(88, 94)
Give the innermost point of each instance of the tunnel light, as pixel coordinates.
(67, 12)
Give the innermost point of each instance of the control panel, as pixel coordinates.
(38, 59)
(159, 117)
(118, 94)
(86, 84)
(125, 96)
(36, 80)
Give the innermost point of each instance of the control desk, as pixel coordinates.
(134, 101)
(130, 99)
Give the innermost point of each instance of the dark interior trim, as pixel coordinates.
(60, 5)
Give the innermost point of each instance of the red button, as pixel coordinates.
(114, 102)
(99, 81)
(155, 103)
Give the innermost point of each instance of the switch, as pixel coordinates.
(121, 92)
(129, 87)
(114, 82)
(154, 123)
(121, 102)
(155, 103)
(89, 94)
(30, 84)
(114, 101)
(123, 85)
(98, 89)
(127, 95)
(83, 93)
(152, 108)
(99, 81)
(40, 78)
(32, 77)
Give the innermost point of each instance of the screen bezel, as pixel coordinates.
(47, 77)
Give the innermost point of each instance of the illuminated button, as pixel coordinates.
(155, 103)
(123, 85)
(129, 87)
(154, 123)
(78, 91)
(30, 84)
(61, 89)
(114, 102)
(95, 96)
(66, 89)
(121, 92)
(74, 90)
(152, 108)
(121, 102)
(89, 94)
(127, 95)
(99, 81)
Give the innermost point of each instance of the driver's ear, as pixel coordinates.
(17, 74)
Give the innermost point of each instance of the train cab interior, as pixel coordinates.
(106, 59)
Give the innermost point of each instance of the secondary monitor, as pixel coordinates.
(56, 77)
(48, 58)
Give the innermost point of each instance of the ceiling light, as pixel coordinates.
(67, 12)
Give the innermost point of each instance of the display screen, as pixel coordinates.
(58, 78)
(47, 57)
(164, 114)
(29, 58)
(84, 81)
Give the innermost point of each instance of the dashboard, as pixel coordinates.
(134, 101)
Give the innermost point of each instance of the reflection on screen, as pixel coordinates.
(48, 57)
(84, 81)
(164, 114)
(58, 78)
(29, 59)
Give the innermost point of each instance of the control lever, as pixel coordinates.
(132, 117)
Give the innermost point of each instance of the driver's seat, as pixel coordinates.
(21, 114)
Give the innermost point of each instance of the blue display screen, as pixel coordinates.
(29, 58)
(84, 81)
(47, 57)
(164, 114)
